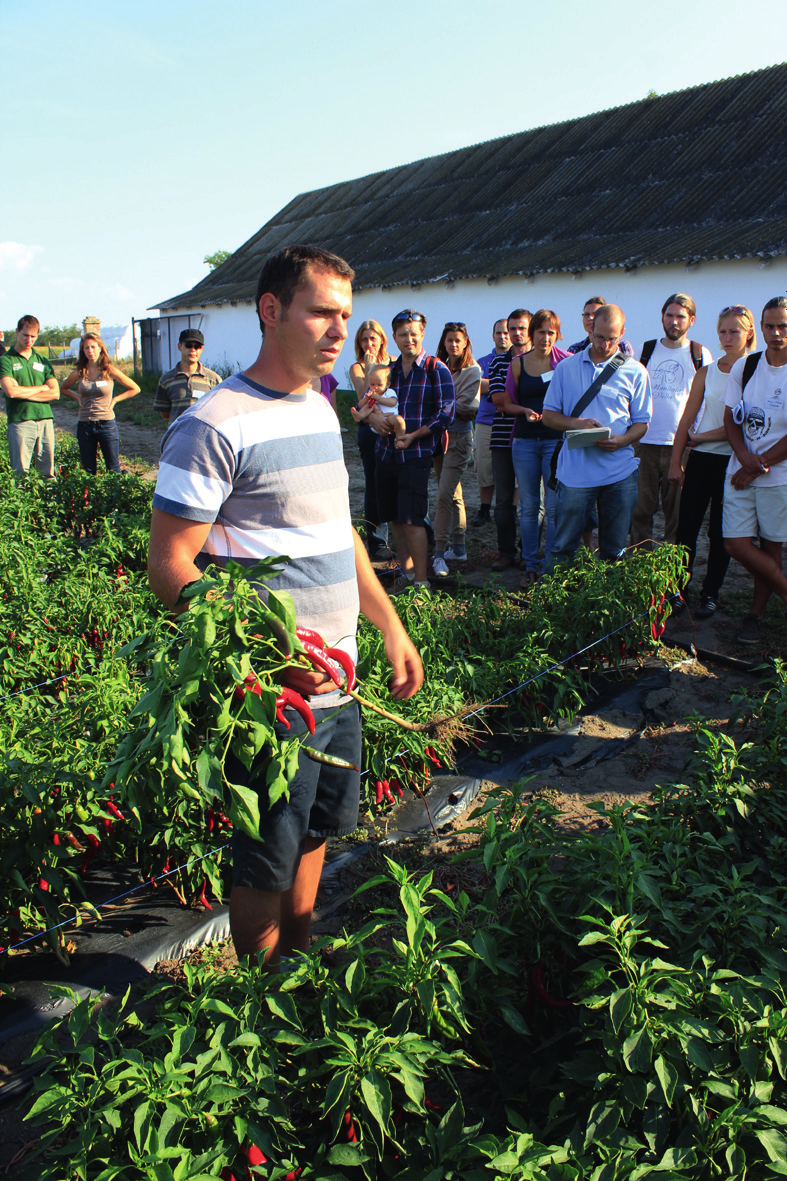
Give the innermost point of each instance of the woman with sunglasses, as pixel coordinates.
(456, 351)
(95, 378)
(532, 443)
(701, 432)
(371, 348)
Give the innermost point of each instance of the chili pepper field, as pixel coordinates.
(595, 1006)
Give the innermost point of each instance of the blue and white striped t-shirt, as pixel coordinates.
(267, 470)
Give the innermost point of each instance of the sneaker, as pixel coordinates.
(678, 605)
(483, 516)
(707, 606)
(502, 562)
(422, 588)
(402, 583)
(380, 553)
(439, 567)
(750, 630)
(452, 555)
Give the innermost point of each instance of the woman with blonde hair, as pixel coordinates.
(455, 351)
(701, 432)
(95, 378)
(371, 348)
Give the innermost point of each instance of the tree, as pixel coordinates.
(217, 258)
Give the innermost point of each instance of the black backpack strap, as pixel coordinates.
(588, 396)
(647, 352)
(696, 354)
(752, 361)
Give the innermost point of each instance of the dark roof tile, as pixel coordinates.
(697, 174)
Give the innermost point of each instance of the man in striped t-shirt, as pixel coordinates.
(255, 469)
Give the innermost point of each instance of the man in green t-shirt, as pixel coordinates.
(28, 384)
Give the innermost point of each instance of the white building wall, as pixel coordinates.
(232, 333)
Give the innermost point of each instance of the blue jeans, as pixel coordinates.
(103, 434)
(615, 503)
(531, 463)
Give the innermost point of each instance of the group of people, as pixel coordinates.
(597, 435)
(30, 387)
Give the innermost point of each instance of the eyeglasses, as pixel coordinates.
(403, 316)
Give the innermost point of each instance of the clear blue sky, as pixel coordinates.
(140, 137)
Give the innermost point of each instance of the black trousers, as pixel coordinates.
(367, 443)
(505, 488)
(703, 485)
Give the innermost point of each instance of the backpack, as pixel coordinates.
(696, 353)
(752, 361)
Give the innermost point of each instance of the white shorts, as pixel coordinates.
(751, 511)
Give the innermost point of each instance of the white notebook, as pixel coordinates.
(586, 437)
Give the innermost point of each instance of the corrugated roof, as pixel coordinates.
(697, 174)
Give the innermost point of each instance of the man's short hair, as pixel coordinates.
(519, 313)
(778, 301)
(599, 299)
(285, 271)
(405, 317)
(685, 301)
(30, 321)
(502, 320)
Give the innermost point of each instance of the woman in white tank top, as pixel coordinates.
(95, 378)
(701, 429)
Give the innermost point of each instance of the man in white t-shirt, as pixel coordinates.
(672, 363)
(755, 492)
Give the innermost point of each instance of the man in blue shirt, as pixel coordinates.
(605, 473)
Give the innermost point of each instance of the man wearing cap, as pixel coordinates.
(182, 386)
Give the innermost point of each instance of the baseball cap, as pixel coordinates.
(191, 334)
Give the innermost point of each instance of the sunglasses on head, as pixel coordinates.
(736, 310)
(455, 326)
(404, 316)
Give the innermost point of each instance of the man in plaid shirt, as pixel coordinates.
(427, 401)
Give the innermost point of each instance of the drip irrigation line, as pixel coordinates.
(543, 673)
(119, 897)
(40, 685)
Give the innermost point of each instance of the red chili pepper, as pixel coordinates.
(387, 792)
(293, 1176)
(307, 636)
(379, 788)
(222, 819)
(430, 1106)
(431, 754)
(56, 839)
(210, 818)
(43, 884)
(74, 843)
(203, 898)
(227, 1174)
(255, 1155)
(94, 843)
(319, 659)
(536, 979)
(344, 660)
(349, 1127)
(396, 787)
(280, 704)
(293, 699)
(115, 811)
(251, 683)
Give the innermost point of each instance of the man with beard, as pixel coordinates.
(671, 363)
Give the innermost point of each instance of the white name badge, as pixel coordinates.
(546, 377)
(37, 365)
(102, 384)
(16, 366)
